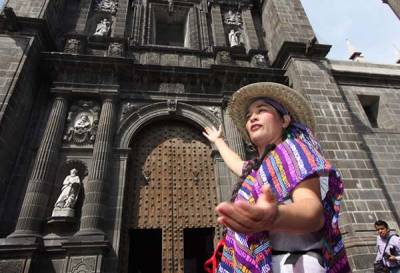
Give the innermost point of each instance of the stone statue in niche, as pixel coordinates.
(103, 28)
(232, 18)
(234, 38)
(82, 123)
(107, 6)
(69, 191)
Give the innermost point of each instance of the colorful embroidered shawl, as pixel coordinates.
(283, 169)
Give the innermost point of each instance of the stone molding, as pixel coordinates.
(147, 113)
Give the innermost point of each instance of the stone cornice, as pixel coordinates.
(365, 79)
(30, 27)
(297, 49)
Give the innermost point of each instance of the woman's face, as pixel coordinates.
(264, 124)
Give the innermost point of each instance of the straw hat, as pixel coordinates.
(297, 105)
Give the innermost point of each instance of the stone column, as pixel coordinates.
(233, 136)
(42, 177)
(235, 142)
(250, 30)
(92, 210)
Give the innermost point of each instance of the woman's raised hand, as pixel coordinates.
(212, 134)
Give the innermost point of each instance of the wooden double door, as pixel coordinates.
(172, 218)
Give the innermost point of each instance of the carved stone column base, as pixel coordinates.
(85, 254)
(63, 212)
(16, 254)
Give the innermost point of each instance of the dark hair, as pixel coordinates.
(381, 223)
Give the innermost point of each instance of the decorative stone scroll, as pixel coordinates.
(215, 110)
(106, 6)
(172, 106)
(82, 123)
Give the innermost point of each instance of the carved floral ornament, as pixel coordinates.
(82, 123)
(106, 6)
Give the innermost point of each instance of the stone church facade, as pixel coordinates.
(119, 90)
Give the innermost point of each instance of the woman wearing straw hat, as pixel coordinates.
(284, 217)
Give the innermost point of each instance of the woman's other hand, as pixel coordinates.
(212, 134)
(245, 218)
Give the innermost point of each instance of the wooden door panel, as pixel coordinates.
(173, 186)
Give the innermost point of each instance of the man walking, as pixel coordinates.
(388, 252)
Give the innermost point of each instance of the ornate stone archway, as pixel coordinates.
(170, 182)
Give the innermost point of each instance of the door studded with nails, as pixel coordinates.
(173, 187)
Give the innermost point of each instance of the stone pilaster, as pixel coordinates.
(136, 34)
(233, 136)
(217, 26)
(251, 42)
(235, 142)
(205, 40)
(83, 15)
(42, 177)
(92, 210)
(118, 28)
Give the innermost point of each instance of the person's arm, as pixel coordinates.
(231, 159)
(396, 245)
(304, 215)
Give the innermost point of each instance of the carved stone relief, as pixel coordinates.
(215, 110)
(106, 6)
(259, 60)
(82, 265)
(116, 49)
(12, 266)
(72, 45)
(232, 18)
(223, 57)
(128, 108)
(82, 123)
(172, 87)
(172, 105)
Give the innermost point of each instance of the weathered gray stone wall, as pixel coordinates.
(284, 21)
(19, 80)
(346, 146)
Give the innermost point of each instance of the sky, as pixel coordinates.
(371, 27)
